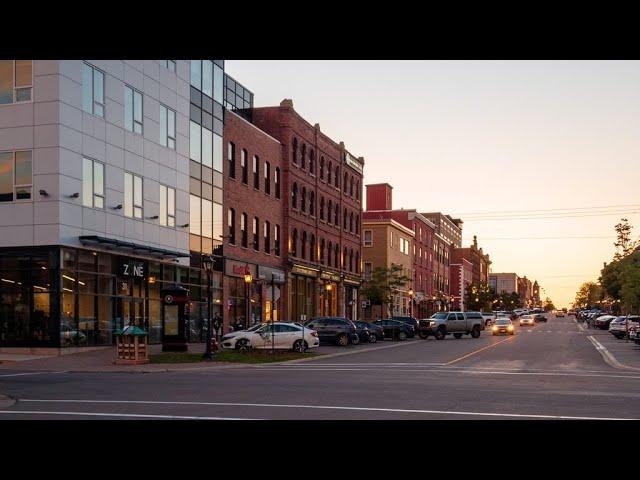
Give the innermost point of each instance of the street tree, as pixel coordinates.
(624, 245)
(588, 295)
(479, 297)
(385, 283)
(548, 305)
(630, 283)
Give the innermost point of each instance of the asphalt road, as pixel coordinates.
(549, 371)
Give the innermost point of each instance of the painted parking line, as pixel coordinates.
(32, 373)
(118, 415)
(608, 356)
(316, 407)
(479, 350)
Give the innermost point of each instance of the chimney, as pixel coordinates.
(379, 196)
(287, 102)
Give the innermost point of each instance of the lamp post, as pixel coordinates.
(207, 264)
(247, 281)
(411, 293)
(328, 287)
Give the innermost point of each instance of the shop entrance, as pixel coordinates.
(130, 311)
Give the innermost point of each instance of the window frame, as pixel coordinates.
(15, 88)
(93, 91)
(93, 183)
(134, 206)
(368, 243)
(14, 186)
(133, 110)
(166, 128)
(169, 219)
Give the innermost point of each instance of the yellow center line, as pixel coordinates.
(479, 350)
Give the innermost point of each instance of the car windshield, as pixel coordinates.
(503, 321)
(527, 317)
(440, 316)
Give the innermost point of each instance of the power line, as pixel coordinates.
(548, 217)
(543, 210)
(551, 238)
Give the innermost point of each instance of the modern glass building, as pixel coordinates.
(110, 190)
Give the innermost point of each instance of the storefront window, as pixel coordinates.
(68, 328)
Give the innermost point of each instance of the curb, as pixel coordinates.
(6, 402)
(609, 358)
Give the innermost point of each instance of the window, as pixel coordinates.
(207, 218)
(195, 142)
(351, 187)
(167, 127)
(256, 172)
(337, 177)
(404, 246)
(207, 77)
(243, 229)
(344, 219)
(329, 253)
(294, 147)
(231, 223)
(312, 209)
(303, 155)
(170, 64)
(321, 208)
(312, 162)
(358, 190)
(276, 241)
(16, 175)
(294, 196)
(312, 248)
(267, 178)
(207, 147)
(196, 74)
(256, 234)
(132, 195)
(303, 247)
(195, 222)
(329, 212)
(92, 90)
(16, 81)
(267, 237)
(351, 222)
(336, 251)
(218, 83)
(351, 260)
(294, 243)
(231, 154)
(368, 267)
(276, 181)
(321, 168)
(357, 262)
(243, 166)
(357, 225)
(337, 217)
(368, 239)
(92, 183)
(303, 200)
(322, 246)
(329, 174)
(132, 110)
(167, 206)
(345, 183)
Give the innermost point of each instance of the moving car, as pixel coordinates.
(376, 332)
(559, 313)
(502, 326)
(396, 329)
(279, 335)
(538, 317)
(442, 324)
(527, 320)
(339, 330)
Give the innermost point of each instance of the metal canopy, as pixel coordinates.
(130, 246)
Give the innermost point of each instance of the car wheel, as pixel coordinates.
(475, 333)
(373, 339)
(300, 346)
(423, 335)
(402, 336)
(355, 340)
(343, 340)
(457, 335)
(242, 345)
(439, 334)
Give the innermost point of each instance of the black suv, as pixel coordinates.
(396, 329)
(338, 330)
(409, 321)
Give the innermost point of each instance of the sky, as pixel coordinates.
(522, 138)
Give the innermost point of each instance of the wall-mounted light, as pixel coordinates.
(184, 225)
(155, 217)
(44, 193)
(74, 195)
(117, 207)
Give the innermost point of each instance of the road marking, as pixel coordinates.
(126, 415)
(479, 350)
(31, 373)
(340, 354)
(608, 357)
(317, 407)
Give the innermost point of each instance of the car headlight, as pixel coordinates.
(494, 328)
(510, 327)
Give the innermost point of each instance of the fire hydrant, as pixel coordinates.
(213, 345)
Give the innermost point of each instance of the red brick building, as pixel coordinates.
(254, 232)
(478, 259)
(461, 275)
(322, 215)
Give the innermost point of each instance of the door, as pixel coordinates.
(461, 322)
(286, 335)
(452, 323)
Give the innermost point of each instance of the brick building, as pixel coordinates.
(461, 275)
(479, 260)
(322, 215)
(447, 227)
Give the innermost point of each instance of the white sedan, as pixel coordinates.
(279, 335)
(527, 320)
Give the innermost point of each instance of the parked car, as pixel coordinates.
(409, 321)
(279, 335)
(363, 332)
(527, 320)
(603, 321)
(634, 329)
(376, 332)
(503, 326)
(442, 324)
(619, 326)
(538, 317)
(339, 330)
(396, 329)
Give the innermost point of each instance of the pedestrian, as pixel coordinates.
(217, 325)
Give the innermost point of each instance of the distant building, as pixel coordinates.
(447, 227)
(503, 282)
(461, 275)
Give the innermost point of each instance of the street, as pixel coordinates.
(552, 370)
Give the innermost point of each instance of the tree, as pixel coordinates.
(385, 284)
(624, 245)
(548, 305)
(588, 294)
(479, 297)
(509, 301)
(630, 283)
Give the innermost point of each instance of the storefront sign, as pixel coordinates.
(300, 270)
(353, 163)
(234, 268)
(269, 274)
(130, 268)
(330, 276)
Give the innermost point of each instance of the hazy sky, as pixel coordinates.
(486, 136)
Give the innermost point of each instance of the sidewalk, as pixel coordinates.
(102, 361)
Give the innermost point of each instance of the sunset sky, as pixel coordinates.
(509, 139)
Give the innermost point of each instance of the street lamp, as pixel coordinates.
(411, 293)
(207, 264)
(247, 281)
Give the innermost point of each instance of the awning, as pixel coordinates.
(130, 247)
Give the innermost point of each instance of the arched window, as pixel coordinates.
(337, 216)
(329, 174)
(321, 208)
(303, 155)
(322, 251)
(336, 252)
(312, 204)
(294, 195)
(312, 248)
(329, 253)
(357, 225)
(357, 262)
(321, 168)
(344, 219)
(351, 260)
(345, 253)
(337, 177)
(295, 150)
(312, 162)
(303, 200)
(351, 190)
(329, 212)
(294, 243)
(351, 222)
(357, 189)
(276, 181)
(345, 183)
(303, 246)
